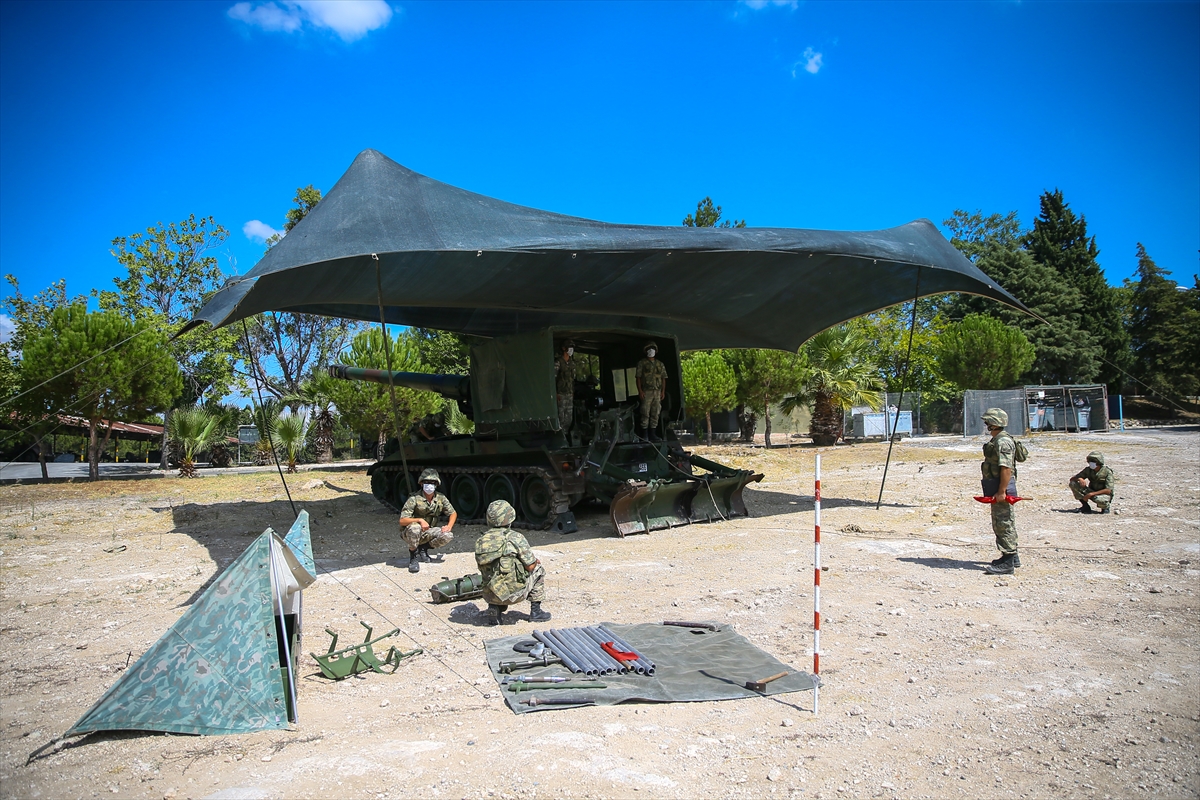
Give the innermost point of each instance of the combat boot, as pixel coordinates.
(1016, 560)
(495, 614)
(1106, 509)
(413, 565)
(423, 553)
(1005, 566)
(537, 613)
(1085, 508)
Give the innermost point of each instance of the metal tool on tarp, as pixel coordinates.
(337, 664)
(530, 687)
(508, 666)
(1011, 498)
(705, 625)
(535, 679)
(561, 700)
(761, 686)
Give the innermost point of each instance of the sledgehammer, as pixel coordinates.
(761, 686)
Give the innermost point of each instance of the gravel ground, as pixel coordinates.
(1077, 677)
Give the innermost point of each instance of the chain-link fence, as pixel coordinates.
(1039, 408)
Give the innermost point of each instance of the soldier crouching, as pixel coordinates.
(420, 514)
(511, 572)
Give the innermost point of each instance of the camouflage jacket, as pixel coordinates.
(652, 374)
(1103, 478)
(417, 507)
(503, 556)
(1000, 451)
(564, 375)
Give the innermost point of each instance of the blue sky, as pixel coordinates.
(115, 116)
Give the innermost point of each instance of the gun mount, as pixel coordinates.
(520, 452)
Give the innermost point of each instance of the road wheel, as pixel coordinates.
(466, 495)
(537, 500)
(499, 486)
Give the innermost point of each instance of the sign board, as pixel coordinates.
(247, 434)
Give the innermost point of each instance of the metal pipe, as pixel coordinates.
(643, 664)
(570, 663)
(610, 663)
(585, 665)
(566, 653)
(581, 647)
(624, 645)
(596, 636)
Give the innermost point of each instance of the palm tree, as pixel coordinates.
(842, 375)
(315, 395)
(264, 417)
(288, 434)
(192, 429)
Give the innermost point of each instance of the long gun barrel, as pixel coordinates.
(453, 387)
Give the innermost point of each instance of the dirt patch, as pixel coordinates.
(1079, 676)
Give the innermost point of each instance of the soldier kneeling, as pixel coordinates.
(511, 573)
(419, 517)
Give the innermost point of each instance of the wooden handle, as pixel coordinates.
(772, 678)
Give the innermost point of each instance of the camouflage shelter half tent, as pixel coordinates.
(458, 261)
(228, 664)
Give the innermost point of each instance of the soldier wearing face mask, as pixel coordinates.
(420, 514)
(1094, 483)
(564, 384)
(652, 389)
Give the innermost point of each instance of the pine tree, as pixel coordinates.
(1164, 326)
(1059, 240)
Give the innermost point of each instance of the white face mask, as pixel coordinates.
(570, 352)
(429, 488)
(1093, 465)
(650, 353)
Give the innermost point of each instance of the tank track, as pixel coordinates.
(559, 499)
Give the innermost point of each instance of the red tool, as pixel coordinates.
(1011, 498)
(619, 655)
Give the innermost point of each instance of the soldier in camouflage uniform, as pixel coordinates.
(652, 389)
(999, 470)
(511, 572)
(564, 384)
(1096, 483)
(419, 516)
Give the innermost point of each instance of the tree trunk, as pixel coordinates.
(747, 420)
(164, 461)
(826, 425)
(381, 447)
(708, 419)
(324, 438)
(767, 422)
(41, 446)
(93, 452)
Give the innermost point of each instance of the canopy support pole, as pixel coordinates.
(904, 381)
(387, 355)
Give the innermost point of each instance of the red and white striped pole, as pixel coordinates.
(817, 591)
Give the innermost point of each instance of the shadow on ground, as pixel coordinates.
(945, 563)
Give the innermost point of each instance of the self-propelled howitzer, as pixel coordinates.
(520, 452)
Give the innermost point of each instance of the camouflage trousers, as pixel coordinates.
(1102, 501)
(651, 405)
(534, 591)
(566, 411)
(431, 537)
(1004, 517)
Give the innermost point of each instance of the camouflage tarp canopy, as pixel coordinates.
(453, 260)
(222, 667)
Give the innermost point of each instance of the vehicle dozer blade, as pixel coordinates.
(721, 498)
(640, 507)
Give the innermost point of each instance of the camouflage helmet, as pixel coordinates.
(566, 343)
(1096, 456)
(649, 345)
(429, 475)
(500, 514)
(996, 416)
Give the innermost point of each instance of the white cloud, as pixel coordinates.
(258, 231)
(811, 62)
(349, 19)
(758, 5)
(7, 328)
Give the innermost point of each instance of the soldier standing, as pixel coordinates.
(652, 389)
(511, 572)
(419, 516)
(564, 384)
(999, 470)
(1095, 483)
